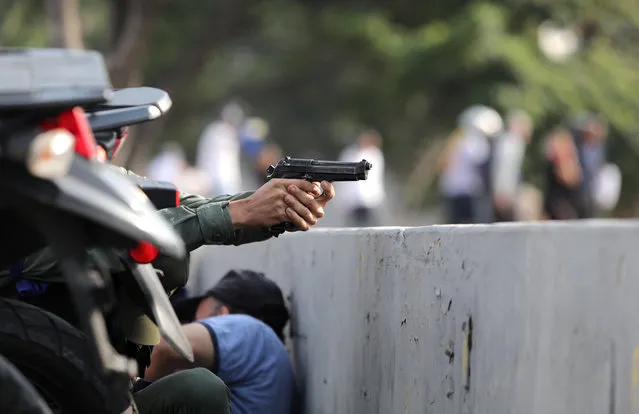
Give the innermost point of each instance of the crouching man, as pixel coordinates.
(238, 334)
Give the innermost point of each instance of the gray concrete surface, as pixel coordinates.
(382, 317)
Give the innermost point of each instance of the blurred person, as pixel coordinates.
(252, 137)
(260, 153)
(506, 168)
(168, 164)
(269, 155)
(465, 166)
(193, 181)
(562, 198)
(579, 181)
(238, 334)
(171, 165)
(362, 200)
(529, 204)
(590, 133)
(218, 151)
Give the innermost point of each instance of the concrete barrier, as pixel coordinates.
(516, 318)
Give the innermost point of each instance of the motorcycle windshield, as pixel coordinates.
(100, 193)
(163, 313)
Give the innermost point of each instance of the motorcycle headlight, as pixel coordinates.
(50, 154)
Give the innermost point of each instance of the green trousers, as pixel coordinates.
(193, 391)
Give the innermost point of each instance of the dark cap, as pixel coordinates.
(251, 293)
(248, 291)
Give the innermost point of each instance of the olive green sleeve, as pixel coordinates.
(205, 221)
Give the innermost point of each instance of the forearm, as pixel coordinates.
(208, 221)
(164, 361)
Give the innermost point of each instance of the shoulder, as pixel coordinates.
(244, 345)
(238, 325)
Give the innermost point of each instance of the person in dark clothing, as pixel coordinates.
(573, 159)
(589, 133)
(194, 391)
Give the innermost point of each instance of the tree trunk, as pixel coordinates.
(223, 26)
(65, 25)
(131, 29)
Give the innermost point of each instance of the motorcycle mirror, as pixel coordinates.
(141, 96)
(106, 120)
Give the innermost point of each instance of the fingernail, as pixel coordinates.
(292, 188)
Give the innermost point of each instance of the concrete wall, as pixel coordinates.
(517, 318)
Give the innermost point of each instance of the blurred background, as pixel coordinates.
(470, 111)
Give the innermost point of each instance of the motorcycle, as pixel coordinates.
(18, 395)
(109, 122)
(56, 194)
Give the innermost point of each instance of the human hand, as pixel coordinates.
(282, 200)
(308, 206)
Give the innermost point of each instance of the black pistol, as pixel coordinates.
(316, 171)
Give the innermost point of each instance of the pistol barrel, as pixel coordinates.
(317, 170)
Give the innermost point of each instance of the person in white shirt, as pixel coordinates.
(363, 199)
(218, 152)
(463, 180)
(168, 164)
(510, 149)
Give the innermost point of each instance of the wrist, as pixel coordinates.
(239, 214)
